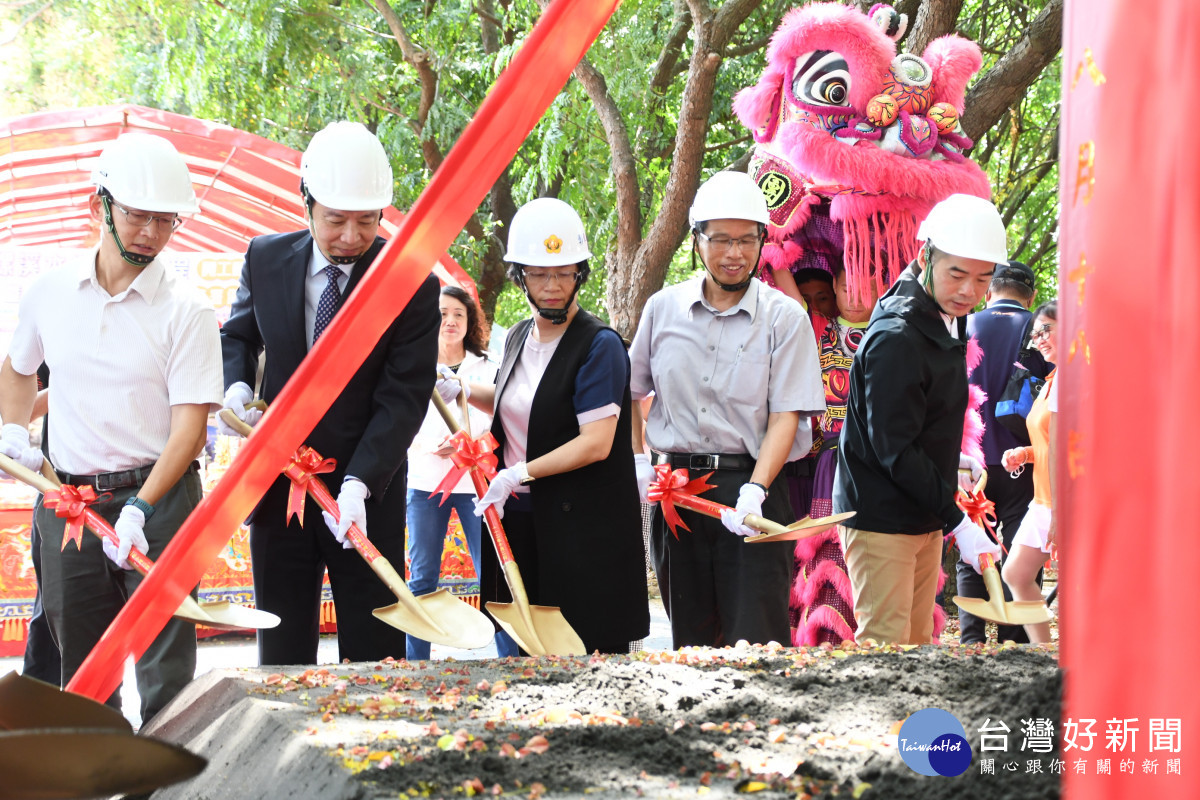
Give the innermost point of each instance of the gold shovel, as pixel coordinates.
(220, 616)
(539, 630)
(437, 617)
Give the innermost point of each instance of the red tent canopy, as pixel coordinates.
(247, 185)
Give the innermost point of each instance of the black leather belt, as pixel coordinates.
(109, 481)
(702, 461)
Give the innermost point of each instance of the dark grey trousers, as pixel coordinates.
(83, 591)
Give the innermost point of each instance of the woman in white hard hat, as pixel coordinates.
(734, 371)
(563, 421)
(899, 454)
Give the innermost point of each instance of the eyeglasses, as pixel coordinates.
(721, 244)
(140, 219)
(1041, 333)
(546, 278)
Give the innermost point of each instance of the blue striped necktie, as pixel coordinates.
(330, 302)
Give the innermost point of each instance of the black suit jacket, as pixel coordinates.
(372, 422)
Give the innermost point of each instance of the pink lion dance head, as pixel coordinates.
(856, 143)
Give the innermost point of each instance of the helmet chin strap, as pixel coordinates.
(312, 229)
(927, 276)
(557, 316)
(135, 259)
(729, 287)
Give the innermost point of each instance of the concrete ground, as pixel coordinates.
(240, 650)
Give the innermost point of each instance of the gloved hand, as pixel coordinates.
(236, 398)
(448, 385)
(504, 484)
(129, 534)
(750, 500)
(352, 508)
(14, 443)
(965, 462)
(973, 542)
(645, 474)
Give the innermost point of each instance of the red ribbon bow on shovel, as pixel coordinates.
(306, 464)
(670, 488)
(71, 502)
(468, 453)
(981, 511)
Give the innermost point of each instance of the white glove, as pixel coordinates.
(504, 484)
(352, 509)
(973, 542)
(448, 385)
(236, 398)
(965, 482)
(129, 535)
(750, 500)
(645, 475)
(14, 443)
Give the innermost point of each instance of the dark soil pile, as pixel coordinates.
(778, 722)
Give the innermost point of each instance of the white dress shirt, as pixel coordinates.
(118, 362)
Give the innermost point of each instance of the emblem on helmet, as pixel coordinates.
(553, 244)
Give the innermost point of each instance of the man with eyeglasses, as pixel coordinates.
(1003, 331)
(137, 368)
(292, 285)
(734, 370)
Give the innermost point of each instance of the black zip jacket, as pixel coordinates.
(898, 458)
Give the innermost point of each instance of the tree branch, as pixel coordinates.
(1005, 82)
(666, 68)
(418, 58)
(934, 18)
(12, 37)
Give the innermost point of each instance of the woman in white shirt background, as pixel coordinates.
(461, 349)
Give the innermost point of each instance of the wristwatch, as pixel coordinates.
(526, 478)
(759, 485)
(141, 505)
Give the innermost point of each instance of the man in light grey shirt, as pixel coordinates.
(735, 374)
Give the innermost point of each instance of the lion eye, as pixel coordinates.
(821, 78)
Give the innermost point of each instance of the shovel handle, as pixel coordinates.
(231, 419)
(987, 561)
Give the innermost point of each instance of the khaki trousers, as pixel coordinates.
(894, 580)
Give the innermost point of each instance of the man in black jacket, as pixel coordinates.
(1002, 330)
(900, 446)
(292, 285)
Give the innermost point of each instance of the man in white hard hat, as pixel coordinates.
(292, 285)
(137, 368)
(736, 378)
(900, 454)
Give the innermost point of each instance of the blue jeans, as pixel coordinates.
(427, 523)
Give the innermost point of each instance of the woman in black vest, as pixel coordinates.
(562, 418)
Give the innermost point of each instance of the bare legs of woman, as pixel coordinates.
(1020, 573)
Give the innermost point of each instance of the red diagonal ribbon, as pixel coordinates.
(305, 464)
(468, 453)
(981, 511)
(671, 487)
(71, 502)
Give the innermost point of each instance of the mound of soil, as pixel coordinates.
(774, 721)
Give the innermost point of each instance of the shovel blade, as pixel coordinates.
(233, 617)
(802, 529)
(457, 624)
(64, 762)
(1016, 612)
(551, 634)
(29, 703)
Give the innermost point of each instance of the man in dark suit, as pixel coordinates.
(1002, 330)
(291, 286)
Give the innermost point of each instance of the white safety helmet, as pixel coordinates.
(146, 172)
(346, 169)
(546, 232)
(729, 195)
(966, 226)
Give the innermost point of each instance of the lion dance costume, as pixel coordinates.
(855, 143)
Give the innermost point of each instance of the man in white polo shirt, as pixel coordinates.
(137, 367)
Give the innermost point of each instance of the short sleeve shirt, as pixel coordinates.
(717, 375)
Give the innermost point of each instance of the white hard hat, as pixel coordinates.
(546, 232)
(966, 226)
(729, 195)
(146, 172)
(345, 168)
